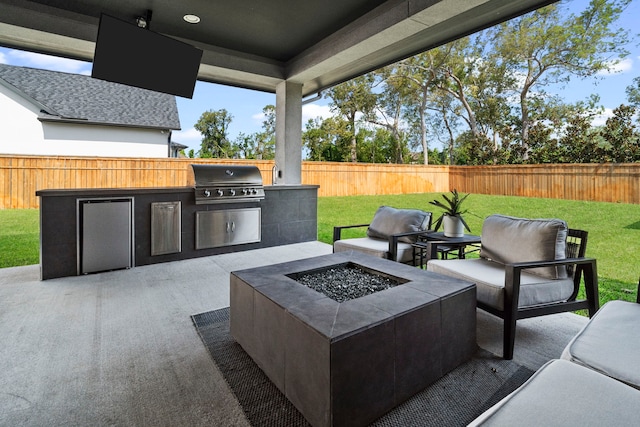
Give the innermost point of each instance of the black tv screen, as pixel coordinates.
(128, 54)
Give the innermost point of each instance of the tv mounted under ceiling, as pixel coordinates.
(128, 54)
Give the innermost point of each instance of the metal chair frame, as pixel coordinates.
(577, 265)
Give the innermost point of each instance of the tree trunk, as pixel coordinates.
(460, 96)
(524, 132)
(353, 154)
(451, 139)
(423, 127)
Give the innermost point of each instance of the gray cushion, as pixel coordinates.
(509, 240)
(489, 279)
(562, 393)
(388, 221)
(610, 342)
(375, 247)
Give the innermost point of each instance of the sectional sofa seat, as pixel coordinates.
(562, 393)
(610, 343)
(595, 383)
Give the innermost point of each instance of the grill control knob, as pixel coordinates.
(232, 192)
(244, 191)
(207, 193)
(220, 192)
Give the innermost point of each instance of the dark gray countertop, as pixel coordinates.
(144, 190)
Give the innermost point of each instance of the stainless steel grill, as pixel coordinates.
(227, 184)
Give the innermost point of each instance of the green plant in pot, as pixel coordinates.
(452, 220)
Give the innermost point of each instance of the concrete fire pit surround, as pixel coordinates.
(349, 363)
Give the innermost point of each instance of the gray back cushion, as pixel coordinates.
(509, 240)
(388, 221)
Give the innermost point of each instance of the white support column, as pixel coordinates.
(288, 133)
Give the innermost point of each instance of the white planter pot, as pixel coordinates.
(453, 226)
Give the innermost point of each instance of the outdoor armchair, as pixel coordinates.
(527, 268)
(389, 235)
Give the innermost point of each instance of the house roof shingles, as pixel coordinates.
(73, 97)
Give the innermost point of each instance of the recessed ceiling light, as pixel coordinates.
(191, 19)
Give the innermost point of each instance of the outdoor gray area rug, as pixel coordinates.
(454, 400)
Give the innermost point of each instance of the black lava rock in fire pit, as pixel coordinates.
(346, 282)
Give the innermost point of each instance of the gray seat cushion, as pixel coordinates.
(610, 342)
(489, 279)
(376, 247)
(562, 393)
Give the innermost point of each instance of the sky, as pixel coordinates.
(245, 106)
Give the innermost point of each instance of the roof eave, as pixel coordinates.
(71, 120)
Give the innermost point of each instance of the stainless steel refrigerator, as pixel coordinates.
(105, 234)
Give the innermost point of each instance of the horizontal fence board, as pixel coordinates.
(22, 176)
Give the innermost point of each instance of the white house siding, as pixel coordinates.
(103, 141)
(19, 125)
(22, 133)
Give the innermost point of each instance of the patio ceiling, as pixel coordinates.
(258, 44)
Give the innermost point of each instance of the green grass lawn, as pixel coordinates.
(614, 229)
(19, 237)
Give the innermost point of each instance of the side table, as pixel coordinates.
(427, 246)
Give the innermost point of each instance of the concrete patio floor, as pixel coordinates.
(119, 348)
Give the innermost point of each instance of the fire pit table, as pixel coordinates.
(348, 363)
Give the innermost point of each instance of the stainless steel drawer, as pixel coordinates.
(166, 228)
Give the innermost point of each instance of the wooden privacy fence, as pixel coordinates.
(22, 176)
(347, 179)
(602, 182)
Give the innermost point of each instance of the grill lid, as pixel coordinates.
(226, 183)
(214, 175)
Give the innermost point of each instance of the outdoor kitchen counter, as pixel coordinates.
(288, 215)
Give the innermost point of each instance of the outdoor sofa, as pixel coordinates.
(527, 268)
(595, 383)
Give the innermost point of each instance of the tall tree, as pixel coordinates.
(327, 140)
(375, 145)
(444, 124)
(266, 140)
(548, 47)
(460, 78)
(472, 85)
(418, 74)
(351, 98)
(579, 143)
(389, 111)
(214, 125)
(245, 146)
(633, 94)
(623, 141)
(259, 145)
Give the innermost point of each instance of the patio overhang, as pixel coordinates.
(258, 45)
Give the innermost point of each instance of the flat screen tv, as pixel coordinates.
(128, 54)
